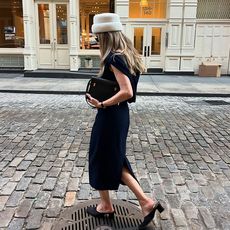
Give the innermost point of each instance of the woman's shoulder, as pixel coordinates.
(118, 60)
(116, 57)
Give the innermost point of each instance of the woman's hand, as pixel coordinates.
(93, 101)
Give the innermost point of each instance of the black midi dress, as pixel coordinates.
(107, 150)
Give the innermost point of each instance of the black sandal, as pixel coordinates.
(93, 212)
(150, 216)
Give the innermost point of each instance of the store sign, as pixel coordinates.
(148, 10)
(9, 36)
(9, 32)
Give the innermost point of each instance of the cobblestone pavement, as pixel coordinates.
(180, 152)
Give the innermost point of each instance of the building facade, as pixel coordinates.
(171, 35)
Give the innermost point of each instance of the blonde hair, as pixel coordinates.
(117, 41)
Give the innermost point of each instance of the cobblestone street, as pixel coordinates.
(179, 148)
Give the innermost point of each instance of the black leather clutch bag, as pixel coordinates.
(101, 88)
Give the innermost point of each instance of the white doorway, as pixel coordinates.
(52, 35)
(149, 40)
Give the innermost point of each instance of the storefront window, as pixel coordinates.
(87, 11)
(45, 19)
(11, 24)
(147, 8)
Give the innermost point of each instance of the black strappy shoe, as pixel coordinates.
(93, 212)
(150, 216)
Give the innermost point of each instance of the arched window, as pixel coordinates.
(88, 9)
(147, 8)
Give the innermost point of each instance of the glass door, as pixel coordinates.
(52, 33)
(148, 40)
(139, 41)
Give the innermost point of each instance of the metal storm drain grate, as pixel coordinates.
(208, 102)
(127, 217)
(196, 102)
(217, 102)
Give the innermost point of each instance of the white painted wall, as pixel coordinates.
(181, 29)
(213, 44)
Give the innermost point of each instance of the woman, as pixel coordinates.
(108, 165)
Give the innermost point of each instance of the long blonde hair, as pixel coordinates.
(117, 41)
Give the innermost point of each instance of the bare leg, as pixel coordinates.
(105, 205)
(145, 202)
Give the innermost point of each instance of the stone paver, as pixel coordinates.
(34, 219)
(3, 200)
(6, 217)
(179, 149)
(24, 208)
(16, 224)
(70, 198)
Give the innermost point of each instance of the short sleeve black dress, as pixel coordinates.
(109, 133)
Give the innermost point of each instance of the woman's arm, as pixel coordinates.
(124, 94)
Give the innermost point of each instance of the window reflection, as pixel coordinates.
(138, 39)
(44, 23)
(61, 18)
(11, 24)
(88, 9)
(156, 41)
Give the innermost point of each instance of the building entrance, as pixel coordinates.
(150, 43)
(52, 29)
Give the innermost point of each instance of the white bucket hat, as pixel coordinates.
(106, 22)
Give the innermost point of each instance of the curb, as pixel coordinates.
(138, 93)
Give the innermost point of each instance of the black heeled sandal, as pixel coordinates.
(93, 212)
(150, 216)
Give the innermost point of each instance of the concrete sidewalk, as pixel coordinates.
(149, 85)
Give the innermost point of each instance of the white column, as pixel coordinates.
(30, 57)
(74, 35)
(181, 44)
(122, 9)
